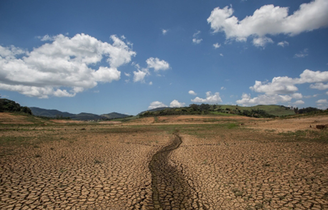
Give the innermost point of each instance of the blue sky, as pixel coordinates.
(129, 56)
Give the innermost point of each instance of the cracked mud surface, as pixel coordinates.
(236, 170)
(203, 166)
(170, 189)
(79, 169)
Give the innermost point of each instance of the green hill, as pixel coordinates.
(194, 109)
(114, 115)
(7, 105)
(276, 110)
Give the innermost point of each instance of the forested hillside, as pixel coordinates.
(7, 105)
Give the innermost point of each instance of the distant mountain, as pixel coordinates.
(87, 116)
(114, 115)
(53, 113)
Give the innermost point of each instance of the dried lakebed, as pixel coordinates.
(203, 166)
(170, 189)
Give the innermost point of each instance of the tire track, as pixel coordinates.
(170, 189)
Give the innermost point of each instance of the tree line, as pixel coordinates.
(203, 109)
(7, 105)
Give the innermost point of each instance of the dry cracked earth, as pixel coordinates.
(200, 165)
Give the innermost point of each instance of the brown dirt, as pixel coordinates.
(292, 125)
(105, 166)
(68, 121)
(83, 122)
(78, 167)
(8, 118)
(192, 119)
(238, 170)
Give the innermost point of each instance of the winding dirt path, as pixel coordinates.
(170, 189)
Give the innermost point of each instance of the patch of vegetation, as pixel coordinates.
(231, 125)
(260, 111)
(14, 140)
(305, 112)
(125, 119)
(7, 105)
(307, 135)
(270, 130)
(228, 125)
(308, 111)
(8, 140)
(221, 114)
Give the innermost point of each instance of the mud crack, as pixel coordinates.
(170, 188)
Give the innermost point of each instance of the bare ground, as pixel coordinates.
(221, 163)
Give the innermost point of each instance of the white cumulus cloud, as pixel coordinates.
(216, 45)
(62, 67)
(139, 76)
(283, 43)
(297, 95)
(152, 63)
(157, 64)
(269, 20)
(319, 86)
(176, 103)
(278, 85)
(261, 41)
(11, 52)
(322, 103)
(287, 85)
(246, 99)
(191, 92)
(210, 98)
(46, 38)
(156, 104)
(283, 89)
(299, 102)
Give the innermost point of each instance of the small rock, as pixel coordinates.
(321, 126)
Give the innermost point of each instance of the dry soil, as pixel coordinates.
(178, 162)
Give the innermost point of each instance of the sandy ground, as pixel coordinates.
(285, 125)
(255, 164)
